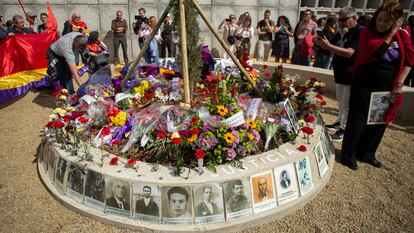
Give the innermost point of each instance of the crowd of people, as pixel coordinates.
(369, 53)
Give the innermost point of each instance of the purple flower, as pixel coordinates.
(206, 143)
(185, 133)
(256, 136)
(236, 137)
(241, 150)
(231, 154)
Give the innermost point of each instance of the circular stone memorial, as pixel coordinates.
(150, 198)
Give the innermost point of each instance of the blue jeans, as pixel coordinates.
(151, 55)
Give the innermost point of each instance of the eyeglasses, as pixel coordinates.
(344, 19)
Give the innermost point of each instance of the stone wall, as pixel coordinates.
(99, 13)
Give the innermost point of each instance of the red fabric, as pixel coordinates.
(80, 24)
(369, 43)
(307, 45)
(52, 23)
(24, 52)
(94, 47)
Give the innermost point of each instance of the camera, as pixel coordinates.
(228, 20)
(320, 33)
(138, 17)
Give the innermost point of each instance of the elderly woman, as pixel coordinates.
(384, 61)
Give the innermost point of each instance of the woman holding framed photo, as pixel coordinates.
(384, 61)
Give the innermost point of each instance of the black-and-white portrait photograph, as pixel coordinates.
(305, 176)
(209, 205)
(290, 112)
(76, 180)
(237, 198)
(177, 205)
(286, 183)
(95, 189)
(263, 191)
(51, 167)
(320, 159)
(117, 197)
(60, 170)
(147, 199)
(378, 107)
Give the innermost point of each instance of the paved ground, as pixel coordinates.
(369, 200)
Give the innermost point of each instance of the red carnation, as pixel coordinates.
(58, 124)
(74, 98)
(105, 131)
(194, 120)
(161, 135)
(302, 148)
(323, 102)
(283, 112)
(114, 161)
(310, 119)
(132, 161)
(307, 130)
(195, 131)
(176, 141)
(148, 96)
(265, 66)
(66, 118)
(56, 93)
(134, 99)
(319, 96)
(151, 89)
(200, 154)
(83, 120)
(267, 74)
(116, 142)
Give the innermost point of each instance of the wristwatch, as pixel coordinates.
(400, 84)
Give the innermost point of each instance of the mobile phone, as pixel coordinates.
(320, 33)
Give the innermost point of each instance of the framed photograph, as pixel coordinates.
(60, 174)
(51, 167)
(237, 198)
(327, 147)
(147, 199)
(378, 107)
(46, 155)
(209, 206)
(320, 159)
(95, 190)
(305, 176)
(263, 191)
(177, 205)
(117, 197)
(290, 112)
(76, 181)
(286, 183)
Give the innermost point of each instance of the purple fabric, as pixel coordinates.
(125, 128)
(9, 94)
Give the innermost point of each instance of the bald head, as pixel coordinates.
(76, 16)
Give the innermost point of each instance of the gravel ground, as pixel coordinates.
(369, 200)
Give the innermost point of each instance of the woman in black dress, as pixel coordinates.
(282, 31)
(383, 63)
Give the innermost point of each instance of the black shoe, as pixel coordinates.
(351, 165)
(376, 163)
(338, 136)
(334, 126)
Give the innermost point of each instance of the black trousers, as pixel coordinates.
(123, 42)
(63, 74)
(361, 141)
(166, 49)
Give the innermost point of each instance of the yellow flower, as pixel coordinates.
(222, 111)
(285, 92)
(251, 123)
(140, 91)
(65, 91)
(144, 84)
(62, 97)
(229, 137)
(70, 109)
(192, 138)
(301, 122)
(53, 116)
(250, 136)
(60, 111)
(119, 119)
(175, 135)
(294, 105)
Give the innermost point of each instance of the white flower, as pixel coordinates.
(175, 135)
(64, 91)
(175, 96)
(53, 116)
(62, 97)
(160, 95)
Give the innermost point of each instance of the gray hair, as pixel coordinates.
(348, 11)
(16, 17)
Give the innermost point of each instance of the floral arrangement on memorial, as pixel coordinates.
(145, 120)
